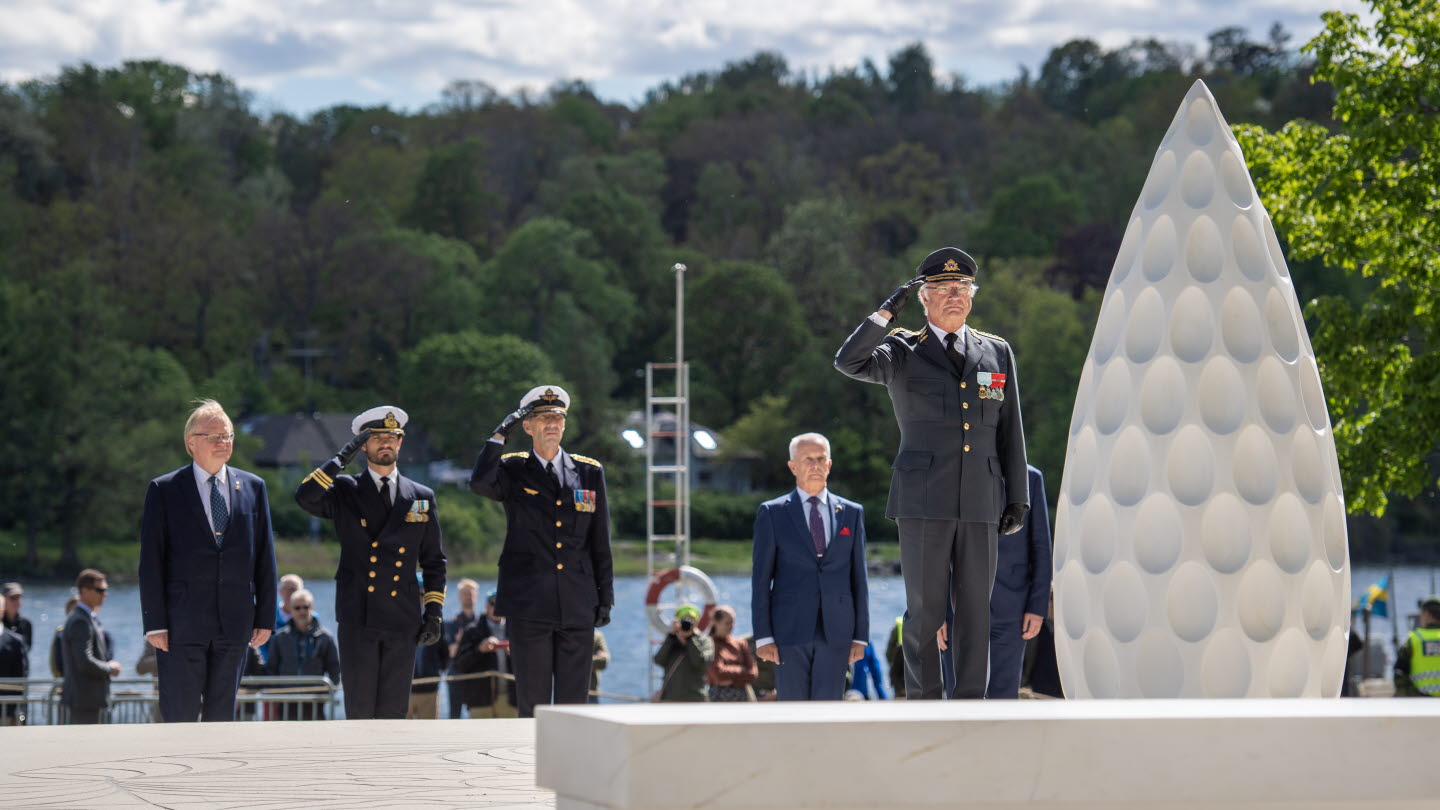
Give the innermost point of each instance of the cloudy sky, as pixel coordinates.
(302, 55)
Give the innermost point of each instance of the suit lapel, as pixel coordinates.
(191, 488)
(570, 477)
(802, 522)
(933, 350)
(240, 501)
(404, 496)
(972, 353)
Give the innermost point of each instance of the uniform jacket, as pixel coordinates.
(193, 587)
(791, 588)
(87, 662)
(1023, 566)
(379, 548)
(556, 563)
(952, 440)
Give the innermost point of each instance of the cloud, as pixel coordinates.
(404, 52)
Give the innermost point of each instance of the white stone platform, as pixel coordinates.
(326, 764)
(1193, 754)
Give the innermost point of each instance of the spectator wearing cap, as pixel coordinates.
(684, 657)
(304, 647)
(556, 577)
(960, 478)
(207, 572)
(14, 663)
(10, 617)
(468, 591)
(484, 646)
(387, 525)
(1417, 662)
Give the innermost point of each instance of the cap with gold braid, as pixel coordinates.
(381, 419)
(546, 399)
(947, 264)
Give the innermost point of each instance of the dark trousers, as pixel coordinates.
(551, 663)
(813, 671)
(930, 551)
(1007, 648)
(375, 669)
(85, 717)
(199, 681)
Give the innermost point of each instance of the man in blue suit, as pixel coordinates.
(207, 572)
(809, 594)
(1021, 595)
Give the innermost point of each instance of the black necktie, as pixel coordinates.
(385, 491)
(554, 473)
(956, 358)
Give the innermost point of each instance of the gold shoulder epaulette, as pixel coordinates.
(902, 332)
(990, 335)
(516, 454)
(586, 459)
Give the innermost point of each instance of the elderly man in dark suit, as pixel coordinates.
(387, 525)
(808, 590)
(556, 577)
(88, 665)
(959, 478)
(207, 572)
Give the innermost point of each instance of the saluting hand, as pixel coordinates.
(508, 423)
(347, 453)
(897, 300)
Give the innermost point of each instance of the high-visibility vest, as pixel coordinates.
(1425, 660)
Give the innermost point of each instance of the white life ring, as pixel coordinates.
(690, 582)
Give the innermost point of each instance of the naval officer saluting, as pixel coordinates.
(960, 476)
(556, 578)
(386, 524)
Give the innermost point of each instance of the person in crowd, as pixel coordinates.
(431, 661)
(88, 665)
(14, 663)
(469, 591)
(808, 588)
(960, 476)
(1021, 594)
(11, 618)
(732, 673)
(207, 572)
(484, 646)
(289, 584)
(1417, 661)
(764, 684)
(387, 525)
(304, 647)
(598, 663)
(556, 574)
(684, 657)
(865, 676)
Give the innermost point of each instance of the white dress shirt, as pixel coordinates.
(960, 336)
(393, 475)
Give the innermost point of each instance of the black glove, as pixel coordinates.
(430, 632)
(347, 453)
(602, 615)
(898, 299)
(510, 421)
(1012, 518)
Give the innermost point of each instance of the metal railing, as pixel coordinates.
(40, 702)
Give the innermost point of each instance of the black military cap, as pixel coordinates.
(947, 264)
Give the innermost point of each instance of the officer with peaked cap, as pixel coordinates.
(387, 524)
(556, 579)
(960, 477)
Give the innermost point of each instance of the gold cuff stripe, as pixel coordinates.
(438, 597)
(319, 477)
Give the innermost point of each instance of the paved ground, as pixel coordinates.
(335, 764)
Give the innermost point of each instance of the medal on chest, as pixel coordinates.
(991, 385)
(584, 500)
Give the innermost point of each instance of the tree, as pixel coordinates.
(1366, 198)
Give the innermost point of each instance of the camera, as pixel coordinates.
(687, 624)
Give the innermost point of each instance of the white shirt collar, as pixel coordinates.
(394, 476)
(202, 478)
(805, 496)
(960, 336)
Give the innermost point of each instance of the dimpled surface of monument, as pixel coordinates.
(1200, 543)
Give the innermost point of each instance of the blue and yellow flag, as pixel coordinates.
(1376, 599)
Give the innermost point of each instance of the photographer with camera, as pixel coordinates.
(685, 656)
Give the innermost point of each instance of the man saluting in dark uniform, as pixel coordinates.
(386, 524)
(556, 580)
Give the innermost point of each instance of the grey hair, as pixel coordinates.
(808, 438)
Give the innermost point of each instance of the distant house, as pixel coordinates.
(708, 470)
(297, 443)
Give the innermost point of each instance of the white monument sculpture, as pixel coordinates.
(1200, 544)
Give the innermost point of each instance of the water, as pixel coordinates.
(629, 632)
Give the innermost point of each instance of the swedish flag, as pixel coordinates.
(1376, 599)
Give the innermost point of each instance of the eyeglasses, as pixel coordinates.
(959, 288)
(299, 607)
(98, 588)
(216, 438)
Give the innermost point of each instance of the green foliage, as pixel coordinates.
(1365, 197)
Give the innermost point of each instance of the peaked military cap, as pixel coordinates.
(546, 398)
(947, 264)
(381, 419)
